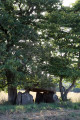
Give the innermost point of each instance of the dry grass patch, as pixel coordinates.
(3, 96)
(74, 97)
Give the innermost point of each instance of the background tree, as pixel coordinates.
(64, 57)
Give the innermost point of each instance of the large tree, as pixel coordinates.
(64, 55)
(20, 21)
(69, 46)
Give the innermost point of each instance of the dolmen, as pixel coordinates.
(46, 97)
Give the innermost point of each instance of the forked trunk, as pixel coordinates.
(64, 91)
(64, 97)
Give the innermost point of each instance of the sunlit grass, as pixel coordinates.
(3, 96)
(74, 97)
(38, 107)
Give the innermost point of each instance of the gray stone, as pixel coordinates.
(19, 98)
(48, 97)
(55, 98)
(27, 98)
(39, 97)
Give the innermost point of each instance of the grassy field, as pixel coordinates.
(43, 111)
(38, 113)
(74, 97)
(55, 111)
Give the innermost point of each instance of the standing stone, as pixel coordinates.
(55, 98)
(48, 97)
(26, 98)
(19, 98)
(39, 97)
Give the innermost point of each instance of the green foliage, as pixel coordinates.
(39, 42)
(20, 42)
(39, 107)
(76, 5)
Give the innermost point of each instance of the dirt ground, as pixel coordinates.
(42, 115)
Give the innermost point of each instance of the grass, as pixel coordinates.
(42, 106)
(3, 97)
(43, 114)
(43, 111)
(74, 97)
(4, 106)
(69, 110)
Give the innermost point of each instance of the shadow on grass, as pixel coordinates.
(37, 107)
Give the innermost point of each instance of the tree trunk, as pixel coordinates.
(12, 91)
(64, 97)
(64, 91)
(12, 95)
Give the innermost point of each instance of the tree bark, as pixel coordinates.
(12, 95)
(12, 91)
(62, 90)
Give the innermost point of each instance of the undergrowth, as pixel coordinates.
(37, 107)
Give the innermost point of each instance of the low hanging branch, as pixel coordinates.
(72, 85)
(3, 86)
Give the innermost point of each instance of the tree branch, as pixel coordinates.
(72, 85)
(3, 86)
(4, 30)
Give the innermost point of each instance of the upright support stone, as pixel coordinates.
(27, 98)
(39, 97)
(19, 98)
(48, 97)
(55, 98)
